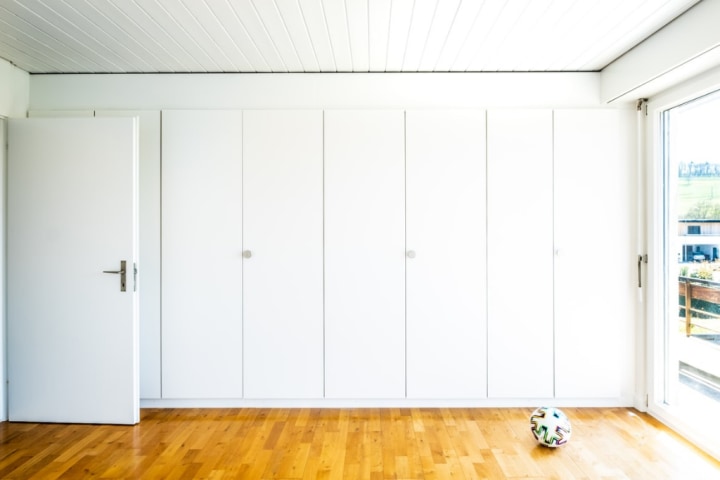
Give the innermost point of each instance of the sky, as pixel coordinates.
(695, 131)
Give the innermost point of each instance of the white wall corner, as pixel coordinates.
(14, 101)
(684, 48)
(3, 283)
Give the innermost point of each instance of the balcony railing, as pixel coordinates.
(700, 301)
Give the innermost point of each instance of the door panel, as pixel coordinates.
(446, 303)
(283, 231)
(683, 228)
(520, 254)
(364, 254)
(594, 276)
(72, 332)
(202, 254)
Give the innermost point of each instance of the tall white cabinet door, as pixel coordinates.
(595, 270)
(149, 245)
(364, 254)
(202, 254)
(446, 257)
(283, 235)
(520, 253)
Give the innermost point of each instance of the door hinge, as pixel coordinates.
(642, 105)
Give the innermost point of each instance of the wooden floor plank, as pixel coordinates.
(375, 444)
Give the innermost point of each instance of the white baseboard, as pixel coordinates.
(385, 403)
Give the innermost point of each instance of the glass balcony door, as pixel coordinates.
(687, 387)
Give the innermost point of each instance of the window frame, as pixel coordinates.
(651, 384)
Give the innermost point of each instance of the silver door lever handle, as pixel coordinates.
(121, 272)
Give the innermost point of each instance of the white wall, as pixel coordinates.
(14, 88)
(352, 90)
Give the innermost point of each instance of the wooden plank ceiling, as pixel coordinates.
(119, 36)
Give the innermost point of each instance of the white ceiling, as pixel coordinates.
(117, 36)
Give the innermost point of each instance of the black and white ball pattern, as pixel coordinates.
(550, 427)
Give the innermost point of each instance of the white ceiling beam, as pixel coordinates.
(685, 47)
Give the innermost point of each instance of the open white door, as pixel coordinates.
(72, 328)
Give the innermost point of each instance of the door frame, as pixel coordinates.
(3, 270)
(651, 383)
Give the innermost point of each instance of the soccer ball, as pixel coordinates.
(550, 427)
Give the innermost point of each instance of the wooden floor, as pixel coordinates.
(351, 443)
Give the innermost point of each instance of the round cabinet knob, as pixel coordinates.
(247, 254)
(410, 254)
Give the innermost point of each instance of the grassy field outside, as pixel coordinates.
(695, 190)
